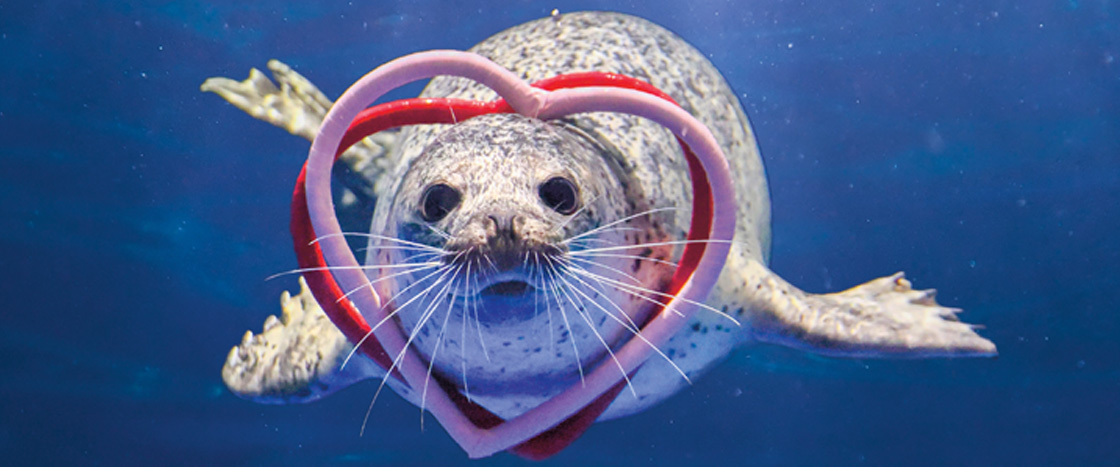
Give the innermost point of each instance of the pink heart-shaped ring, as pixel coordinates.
(532, 102)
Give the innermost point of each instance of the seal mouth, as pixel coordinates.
(505, 286)
(507, 289)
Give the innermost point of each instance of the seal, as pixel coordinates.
(519, 253)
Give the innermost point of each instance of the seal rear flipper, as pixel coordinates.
(298, 106)
(295, 358)
(881, 318)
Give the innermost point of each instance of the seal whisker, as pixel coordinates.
(531, 270)
(416, 331)
(585, 243)
(400, 355)
(639, 291)
(439, 232)
(610, 268)
(635, 291)
(617, 255)
(443, 269)
(438, 269)
(380, 237)
(601, 288)
(396, 310)
(584, 240)
(422, 279)
(427, 311)
(493, 267)
(370, 282)
(614, 223)
(463, 334)
(477, 317)
(547, 304)
(564, 316)
(653, 244)
(388, 317)
(439, 340)
(349, 268)
(602, 291)
(576, 214)
(398, 247)
(633, 328)
(583, 313)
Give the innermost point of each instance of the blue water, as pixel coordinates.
(975, 145)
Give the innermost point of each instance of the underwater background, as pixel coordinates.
(974, 145)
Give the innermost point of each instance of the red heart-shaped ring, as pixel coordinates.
(318, 230)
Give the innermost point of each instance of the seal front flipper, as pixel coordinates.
(295, 358)
(298, 106)
(880, 318)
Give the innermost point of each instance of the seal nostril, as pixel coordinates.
(503, 228)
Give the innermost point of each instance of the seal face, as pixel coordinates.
(500, 223)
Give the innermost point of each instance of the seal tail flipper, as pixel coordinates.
(881, 318)
(292, 103)
(298, 106)
(294, 359)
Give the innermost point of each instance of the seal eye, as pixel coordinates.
(437, 201)
(559, 194)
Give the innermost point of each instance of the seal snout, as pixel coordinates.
(504, 243)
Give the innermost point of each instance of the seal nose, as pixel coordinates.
(503, 228)
(504, 242)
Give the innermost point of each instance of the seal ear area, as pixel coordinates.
(437, 201)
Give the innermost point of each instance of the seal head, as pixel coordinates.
(501, 215)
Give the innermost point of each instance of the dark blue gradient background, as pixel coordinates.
(975, 145)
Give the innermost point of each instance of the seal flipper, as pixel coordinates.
(296, 105)
(881, 318)
(295, 358)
